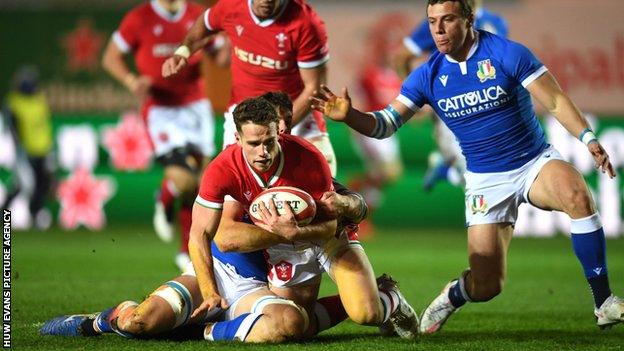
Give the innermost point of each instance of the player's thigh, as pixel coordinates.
(487, 250)
(246, 303)
(558, 184)
(303, 295)
(355, 279)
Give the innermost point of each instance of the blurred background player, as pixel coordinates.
(379, 84)
(448, 162)
(27, 113)
(178, 115)
(277, 45)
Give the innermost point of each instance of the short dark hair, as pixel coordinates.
(279, 99)
(466, 6)
(255, 110)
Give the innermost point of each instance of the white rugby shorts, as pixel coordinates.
(232, 286)
(304, 263)
(495, 197)
(172, 127)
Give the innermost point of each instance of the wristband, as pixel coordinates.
(587, 136)
(183, 51)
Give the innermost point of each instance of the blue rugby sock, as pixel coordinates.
(236, 329)
(455, 296)
(589, 245)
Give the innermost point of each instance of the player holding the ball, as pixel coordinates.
(235, 283)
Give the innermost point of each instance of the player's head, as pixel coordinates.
(256, 132)
(450, 22)
(26, 80)
(265, 9)
(284, 108)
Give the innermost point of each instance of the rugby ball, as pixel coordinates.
(302, 203)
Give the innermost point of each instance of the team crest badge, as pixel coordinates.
(284, 270)
(486, 70)
(478, 204)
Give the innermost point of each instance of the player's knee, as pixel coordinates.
(577, 202)
(138, 324)
(366, 313)
(287, 322)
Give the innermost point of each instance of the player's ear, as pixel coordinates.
(238, 138)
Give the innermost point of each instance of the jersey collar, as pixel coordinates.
(274, 177)
(166, 15)
(269, 21)
(473, 49)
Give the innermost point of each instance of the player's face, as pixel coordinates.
(264, 9)
(448, 28)
(259, 145)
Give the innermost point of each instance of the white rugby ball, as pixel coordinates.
(301, 202)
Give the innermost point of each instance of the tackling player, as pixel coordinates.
(481, 86)
(239, 272)
(277, 45)
(447, 163)
(178, 115)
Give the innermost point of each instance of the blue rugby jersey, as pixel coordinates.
(421, 41)
(483, 101)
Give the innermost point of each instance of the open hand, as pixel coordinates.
(284, 225)
(211, 302)
(332, 106)
(601, 158)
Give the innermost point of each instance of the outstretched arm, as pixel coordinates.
(377, 124)
(548, 92)
(197, 37)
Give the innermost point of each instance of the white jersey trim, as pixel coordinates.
(121, 43)
(412, 46)
(269, 21)
(229, 198)
(530, 79)
(274, 177)
(473, 49)
(313, 64)
(209, 204)
(407, 102)
(166, 15)
(206, 22)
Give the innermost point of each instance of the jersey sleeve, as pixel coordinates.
(126, 37)
(521, 64)
(214, 187)
(213, 17)
(420, 40)
(413, 89)
(313, 50)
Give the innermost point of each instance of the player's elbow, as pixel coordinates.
(225, 244)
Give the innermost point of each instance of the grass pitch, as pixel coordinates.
(546, 304)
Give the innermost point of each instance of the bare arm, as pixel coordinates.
(312, 80)
(339, 109)
(113, 62)
(236, 236)
(203, 228)
(196, 38)
(548, 92)
(348, 206)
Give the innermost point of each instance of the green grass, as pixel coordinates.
(546, 304)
